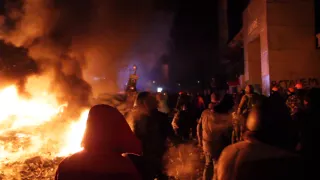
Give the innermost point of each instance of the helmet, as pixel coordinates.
(298, 86)
(291, 90)
(275, 88)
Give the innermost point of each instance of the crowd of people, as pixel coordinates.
(243, 136)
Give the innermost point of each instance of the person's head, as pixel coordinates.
(107, 129)
(249, 89)
(270, 122)
(200, 100)
(210, 106)
(209, 91)
(290, 91)
(214, 98)
(312, 98)
(183, 107)
(299, 86)
(146, 100)
(205, 92)
(275, 89)
(225, 105)
(161, 96)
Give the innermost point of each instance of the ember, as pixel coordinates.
(184, 161)
(35, 133)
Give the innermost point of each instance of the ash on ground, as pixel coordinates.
(33, 168)
(184, 162)
(36, 168)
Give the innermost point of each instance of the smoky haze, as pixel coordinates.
(146, 53)
(75, 40)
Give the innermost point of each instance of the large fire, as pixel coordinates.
(35, 126)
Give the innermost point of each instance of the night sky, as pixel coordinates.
(194, 35)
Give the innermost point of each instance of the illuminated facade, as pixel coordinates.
(279, 42)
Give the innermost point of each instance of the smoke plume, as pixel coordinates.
(148, 50)
(75, 40)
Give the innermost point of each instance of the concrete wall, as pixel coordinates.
(254, 61)
(254, 27)
(292, 42)
(287, 43)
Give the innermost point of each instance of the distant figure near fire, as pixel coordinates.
(132, 82)
(131, 88)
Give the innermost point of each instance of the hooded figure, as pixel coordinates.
(106, 138)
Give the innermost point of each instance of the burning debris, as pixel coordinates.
(16, 144)
(43, 111)
(35, 168)
(35, 126)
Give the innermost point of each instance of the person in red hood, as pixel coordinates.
(106, 138)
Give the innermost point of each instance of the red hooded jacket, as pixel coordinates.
(107, 137)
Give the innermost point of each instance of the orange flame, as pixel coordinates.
(31, 126)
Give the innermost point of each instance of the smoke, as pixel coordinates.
(146, 53)
(75, 40)
(14, 64)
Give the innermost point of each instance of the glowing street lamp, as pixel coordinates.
(159, 89)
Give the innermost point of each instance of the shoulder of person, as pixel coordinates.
(234, 148)
(227, 160)
(69, 162)
(246, 96)
(207, 112)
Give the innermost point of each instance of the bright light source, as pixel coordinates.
(96, 78)
(198, 82)
(159, 89)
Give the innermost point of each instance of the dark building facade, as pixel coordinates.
(231, 49)
(279, 43)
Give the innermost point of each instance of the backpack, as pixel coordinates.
(252, 100)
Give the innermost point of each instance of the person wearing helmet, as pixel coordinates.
(276, 96)
(293, 101)
(300, 92)
(247, 101)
